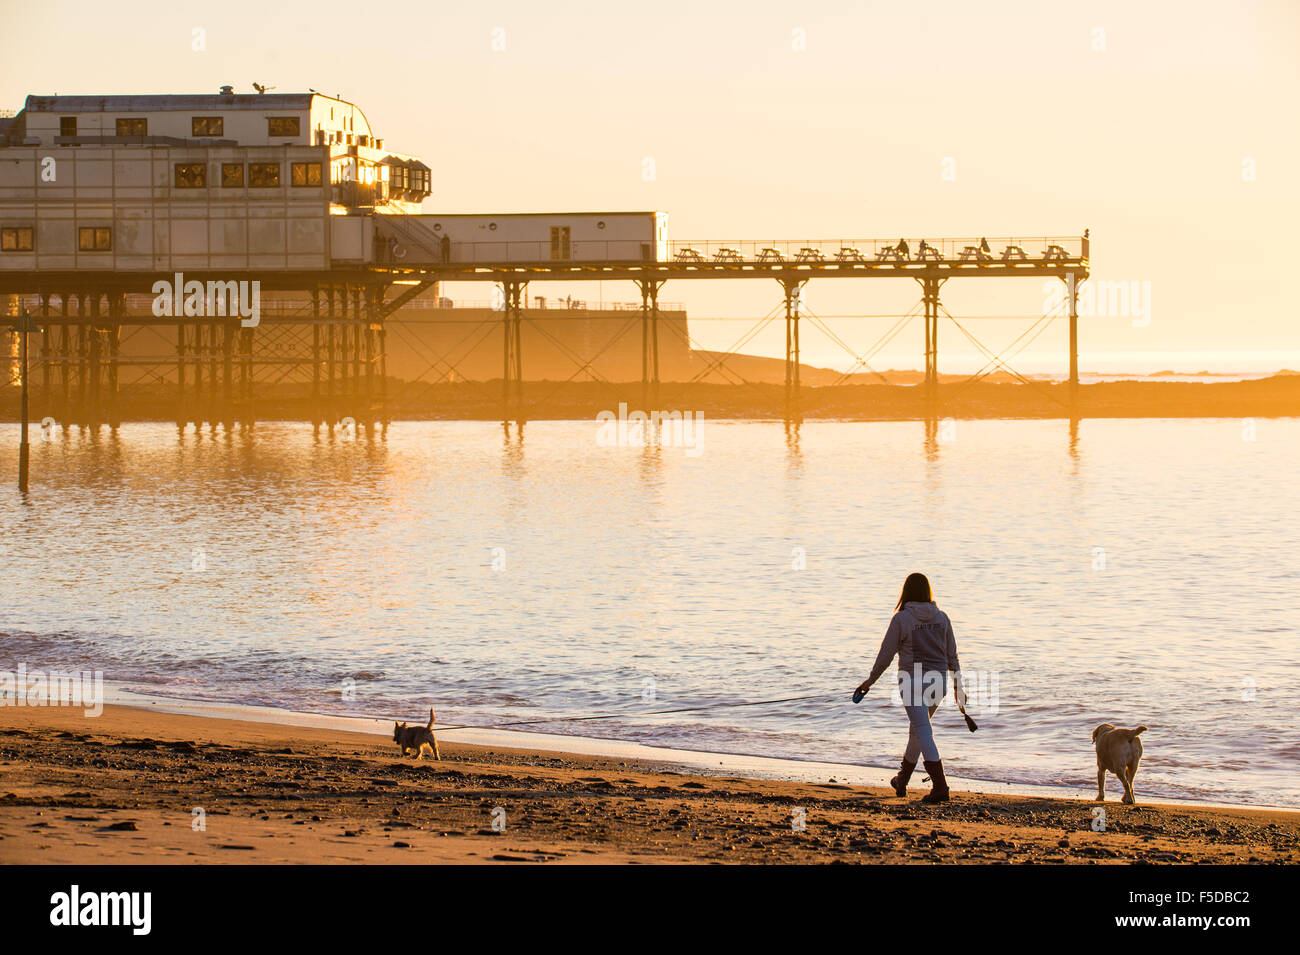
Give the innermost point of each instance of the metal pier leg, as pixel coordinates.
(228, 374)
(83, 352)
(381, 332)
(214, 359)
(1072, 298)
(47, 369)
(930, 297)
(513, 370)
(65, 364)
(93, 358)
(315, 357)
(650, 340)
(791, 288)
(199, 345)
(343, 364)
(383, 372)
(246, 335)
(330, 408)
(113, 334)
(370, 315)
(360, 400)
(180, 375)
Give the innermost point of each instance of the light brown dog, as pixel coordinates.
(1118, 751)
(416, 738)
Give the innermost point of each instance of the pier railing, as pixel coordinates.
(1001, 251)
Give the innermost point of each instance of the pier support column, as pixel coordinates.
(47, 354)
(229, 331)
(374, 296)
(316, 416)
(513, 375)
(331, 410)
(930, 300)
(94, 356)
(360, 400)
(792, 289)
(1072, 303)
(246, 344)
(650, 340)
(65, 362)
(113, 340)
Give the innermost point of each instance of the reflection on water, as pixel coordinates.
(1126, 571)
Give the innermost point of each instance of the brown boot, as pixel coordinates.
(899, 782)
(939, 785)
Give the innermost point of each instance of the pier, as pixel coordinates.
(328, 329)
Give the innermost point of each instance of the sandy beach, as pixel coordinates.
(137, 786)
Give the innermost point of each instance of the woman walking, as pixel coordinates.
(921, 636)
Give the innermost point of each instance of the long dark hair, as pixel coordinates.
(916, 589)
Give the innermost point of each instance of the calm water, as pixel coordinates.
(1148, 572)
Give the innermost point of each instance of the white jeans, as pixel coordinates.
(921, 693)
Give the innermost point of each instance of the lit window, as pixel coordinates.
(17, 239)
(262, 175)
(282, 125)
(207, 125)
(133, 127)
(94, 239)
(191, 175)
(305, 173)
(232, 174)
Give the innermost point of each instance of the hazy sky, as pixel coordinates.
(1141, 121)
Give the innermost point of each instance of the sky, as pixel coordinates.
(1166, 128)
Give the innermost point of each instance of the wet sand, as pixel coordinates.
(124, 787)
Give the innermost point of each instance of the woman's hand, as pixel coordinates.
(863, 687)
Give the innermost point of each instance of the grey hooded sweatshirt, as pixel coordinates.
(919, 633)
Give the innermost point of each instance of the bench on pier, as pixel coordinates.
(1014, 253)
(975, 253)
(928, 253)
(771, 255)
(849, 254)
(728, 255)
(689, 255)
(1055, 253)
(809, 254)
(890, 253)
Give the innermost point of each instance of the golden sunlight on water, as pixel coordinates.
(1143, 572)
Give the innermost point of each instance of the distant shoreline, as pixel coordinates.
(1273, 397)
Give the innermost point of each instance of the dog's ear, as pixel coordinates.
(1099, 728)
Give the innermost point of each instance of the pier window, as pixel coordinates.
(95, 239)
(191, 175)
(207, 125)
(263, 175)
(305, 173)
(232, 175)
(67, 125)
(133, 127)
(282, 125)
(16, 239)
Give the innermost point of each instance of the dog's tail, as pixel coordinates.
(431, 719)
(1133, 733)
